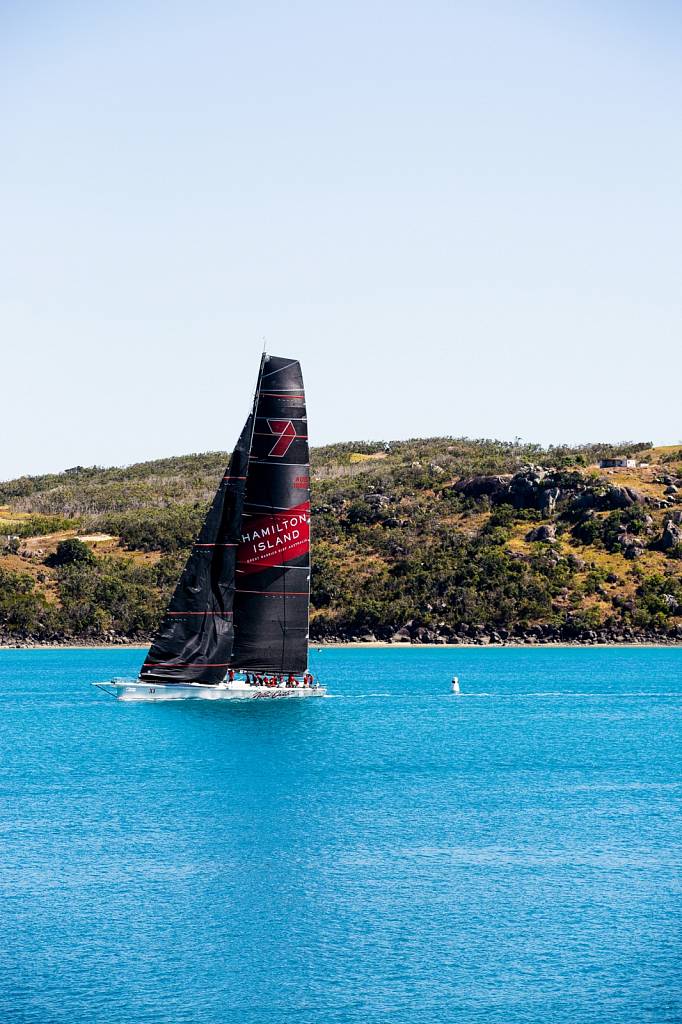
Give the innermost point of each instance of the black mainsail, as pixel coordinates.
(272, 592)
(242, 600)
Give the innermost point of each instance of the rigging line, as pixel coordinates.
(256, 396)
(310, 534)
(220, 613)
(265, 462)
(296, 419)
(103, 688)
(187, 664)
(302, 568)
(217, 545)
(271, 373)
(273, 593)
(264, 511)
(284, 618)
(280, 394)
(262, 433)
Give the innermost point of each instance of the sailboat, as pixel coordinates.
(236, 627)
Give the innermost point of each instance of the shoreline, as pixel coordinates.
(370, 645)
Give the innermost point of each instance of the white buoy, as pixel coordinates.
(455, 684)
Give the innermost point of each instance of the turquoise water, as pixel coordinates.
(392, 853)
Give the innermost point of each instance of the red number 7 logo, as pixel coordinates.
(286, 433)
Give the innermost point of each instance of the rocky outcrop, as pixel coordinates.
(543, 533)
(495, 487)
(613, 499)
(404, 634)
(631, 545)
(537, 488)
(671, 536)
(621, 498)
(571, 631)
(530, 488)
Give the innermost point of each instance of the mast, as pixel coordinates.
(272, 570)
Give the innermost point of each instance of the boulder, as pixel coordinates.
(548, 500)
(631, 546)
(523, 490)
(671, 536)
(585, 502)
(621, 497)
(543, 533)
(404, 634)
(575, 562)
(483, 486)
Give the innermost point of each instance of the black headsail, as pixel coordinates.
(194, 641)
(272, 590)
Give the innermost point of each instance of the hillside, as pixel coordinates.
(438, 540)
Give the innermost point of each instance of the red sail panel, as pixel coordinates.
(274, 539)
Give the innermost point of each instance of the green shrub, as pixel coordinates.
(23, 609)
(70, 551)
(164, 529)
(39, 526)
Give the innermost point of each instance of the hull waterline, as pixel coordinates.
(136, 690)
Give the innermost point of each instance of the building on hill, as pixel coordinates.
(620, 462)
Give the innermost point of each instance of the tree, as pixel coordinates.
(71, 551)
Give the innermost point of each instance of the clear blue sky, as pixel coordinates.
(463, 218)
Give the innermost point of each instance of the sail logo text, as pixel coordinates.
(275, 539)
(281, 532)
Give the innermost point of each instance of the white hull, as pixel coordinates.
(135, 689)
